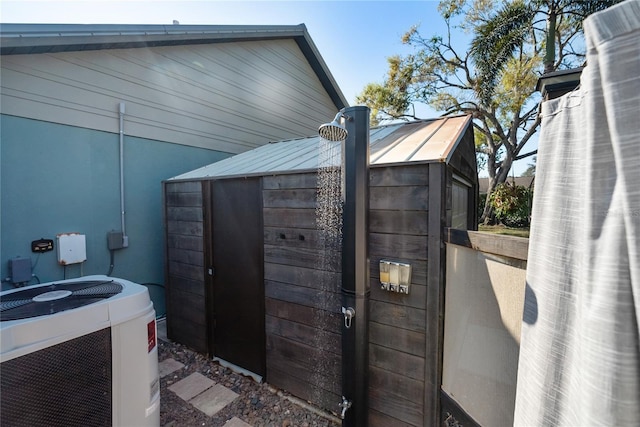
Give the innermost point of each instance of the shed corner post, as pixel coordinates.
(435, 293)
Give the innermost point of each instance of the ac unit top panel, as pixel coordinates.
(40, 301)
(20, 336)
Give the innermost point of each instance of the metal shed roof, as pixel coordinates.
(420, 141)
(21, 39)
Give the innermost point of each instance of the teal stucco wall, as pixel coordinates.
(60, 179)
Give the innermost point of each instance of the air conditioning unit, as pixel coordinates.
(79, 352)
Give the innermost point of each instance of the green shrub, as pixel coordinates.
(512, 204)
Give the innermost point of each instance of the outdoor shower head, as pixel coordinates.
(333, 131)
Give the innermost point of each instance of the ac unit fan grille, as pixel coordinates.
(21, 304)
(68, 384)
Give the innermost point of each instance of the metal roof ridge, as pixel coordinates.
(459, 137)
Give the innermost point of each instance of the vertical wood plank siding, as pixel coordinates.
(186, 310)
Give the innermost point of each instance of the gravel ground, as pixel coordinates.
(258, 404)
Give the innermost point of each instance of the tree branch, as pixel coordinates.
(532, 130)
(524, 156)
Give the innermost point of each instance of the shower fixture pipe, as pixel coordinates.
(355, 268)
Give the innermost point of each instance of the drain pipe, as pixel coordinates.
(125, 238)
(355, 269)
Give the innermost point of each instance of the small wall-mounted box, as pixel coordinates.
(115, 240)
(20, 270)
(72, 248)
(395, 276)
(42, 245)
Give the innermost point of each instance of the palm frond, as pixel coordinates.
(495, 43)
(582, 8)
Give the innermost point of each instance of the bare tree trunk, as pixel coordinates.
(550, 53)
(487, 211)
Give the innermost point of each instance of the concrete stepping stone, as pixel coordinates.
(191, 386)
(168, 366)
(214, 399)
(236, 422)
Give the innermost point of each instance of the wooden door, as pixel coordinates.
(238, 334)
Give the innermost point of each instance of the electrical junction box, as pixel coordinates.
(20, 270)
(72, 248)
(115, 240)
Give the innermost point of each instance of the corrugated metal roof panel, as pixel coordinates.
(387, 143)
(381, 132)
(403, 150)
(443, 141)
(422, 141)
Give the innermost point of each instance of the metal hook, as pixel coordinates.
(346, 404)
(349, 313)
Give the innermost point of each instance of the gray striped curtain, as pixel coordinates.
(580, 349)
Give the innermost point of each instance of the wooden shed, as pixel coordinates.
(249, 279)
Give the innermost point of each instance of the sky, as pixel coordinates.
(354, 38)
